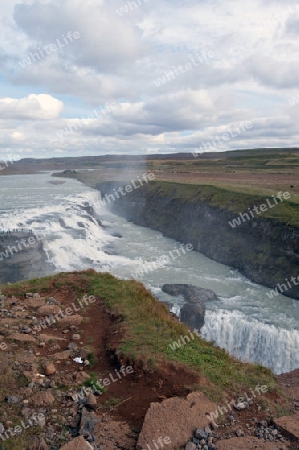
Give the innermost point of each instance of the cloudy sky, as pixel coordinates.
(84, 77)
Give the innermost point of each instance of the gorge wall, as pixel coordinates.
(22, 257)
(264, 250)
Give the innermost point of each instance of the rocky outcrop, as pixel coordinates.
(193, 311)
(22, 257)
(264, 250)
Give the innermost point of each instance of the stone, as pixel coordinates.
(78, 443)
(22, 337)
(263, 423)
(87, 424)
(48, 310)
(190, 446)
(53, 301)
(193, 311)
(26, 330)
(35, 302)
(240, 406)
(176, 418)
(62, 356)
(2, 428)
(74, 320)
(42, 398)
(12, 400)
(50, 369)
(72, 346)
(91, 401)
(200, 434)
(76, 337)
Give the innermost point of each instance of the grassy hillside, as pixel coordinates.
(148, 329)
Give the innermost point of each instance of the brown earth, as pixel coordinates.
(247, 443)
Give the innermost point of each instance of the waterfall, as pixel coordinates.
(253, 341)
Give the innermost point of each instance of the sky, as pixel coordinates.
(91, 77)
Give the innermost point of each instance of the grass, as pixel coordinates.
(92, 382)
(148, 330)
(91, 359)
(228, 198)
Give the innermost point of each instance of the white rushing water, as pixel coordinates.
(244, 321)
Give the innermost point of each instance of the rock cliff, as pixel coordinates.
(22, 257)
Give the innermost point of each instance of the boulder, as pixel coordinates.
(74, 320)
(62, 356)
(193, 311)
(50, 369)
(91, 401)
(48, 310)
(42, 398)
(87, 424)
(191, 294)
(22, 337)
(175, 418)
(35, 302)
(193, 315)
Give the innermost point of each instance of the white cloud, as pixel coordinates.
(116, 59)
(41, 107)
